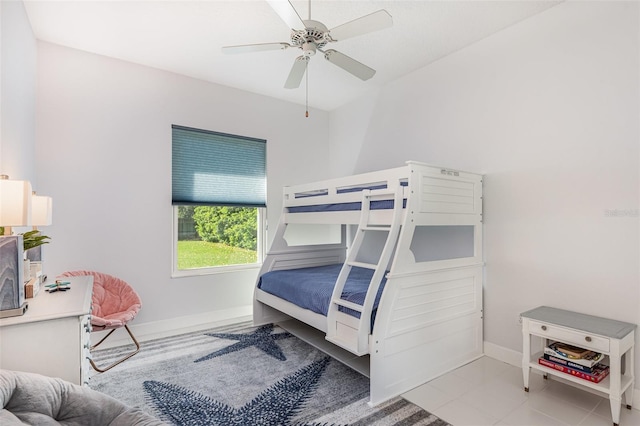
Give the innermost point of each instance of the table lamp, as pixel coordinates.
(41, 210)
(15, 203)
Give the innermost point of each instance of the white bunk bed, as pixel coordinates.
(420, 230)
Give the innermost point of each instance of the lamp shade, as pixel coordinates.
(15, 202)
(41, 210)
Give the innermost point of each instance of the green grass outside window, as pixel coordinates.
(202, 254)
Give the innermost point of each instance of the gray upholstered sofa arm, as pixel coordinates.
(38, 400)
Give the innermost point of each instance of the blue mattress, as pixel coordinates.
(311, 288)
(341, 207)
(375, 205)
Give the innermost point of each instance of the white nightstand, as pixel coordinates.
(612, 338)
(52, 337)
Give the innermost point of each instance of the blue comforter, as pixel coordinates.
(311, 288)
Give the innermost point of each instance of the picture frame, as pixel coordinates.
(12, 295)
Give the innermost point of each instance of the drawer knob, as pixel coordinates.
(587, 338)
(544, 328)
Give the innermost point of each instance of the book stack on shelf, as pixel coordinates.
(575, 361)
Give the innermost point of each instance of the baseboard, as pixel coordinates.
(165, 328)
(503, 354)
(515, 358)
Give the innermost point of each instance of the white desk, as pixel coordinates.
(52, 337)
(612, 338)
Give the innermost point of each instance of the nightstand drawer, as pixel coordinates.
(575, 337)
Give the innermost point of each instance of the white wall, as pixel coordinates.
(17, 93)
(549, 111)
(348, 132)
(104, 155)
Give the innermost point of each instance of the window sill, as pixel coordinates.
(196, 272)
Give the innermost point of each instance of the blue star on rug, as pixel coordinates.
(274, 406)
(261, 339)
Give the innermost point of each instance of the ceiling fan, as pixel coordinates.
(314, 36)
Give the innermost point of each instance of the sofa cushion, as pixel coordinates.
(29, 398)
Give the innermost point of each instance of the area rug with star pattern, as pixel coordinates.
(244, 375)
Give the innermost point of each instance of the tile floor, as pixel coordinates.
(490, 392)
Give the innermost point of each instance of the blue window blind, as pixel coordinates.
(217, 169)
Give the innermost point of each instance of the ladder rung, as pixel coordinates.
(363, 265)
(385, 228)
(349, 305)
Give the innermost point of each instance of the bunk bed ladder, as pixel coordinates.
(355, 336)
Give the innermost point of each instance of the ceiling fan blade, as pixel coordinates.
(297, 72)
(369, 23)
(246, 48)
(287, 13)
(349, 64)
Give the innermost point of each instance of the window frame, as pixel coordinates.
(212, 270)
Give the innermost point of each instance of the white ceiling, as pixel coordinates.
(186, 37)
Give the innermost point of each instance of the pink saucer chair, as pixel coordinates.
(114, 304)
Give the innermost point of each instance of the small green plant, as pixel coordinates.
(33, 239)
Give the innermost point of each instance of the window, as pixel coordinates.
(219, 199)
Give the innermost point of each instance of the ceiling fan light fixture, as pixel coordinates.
(309, 49)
